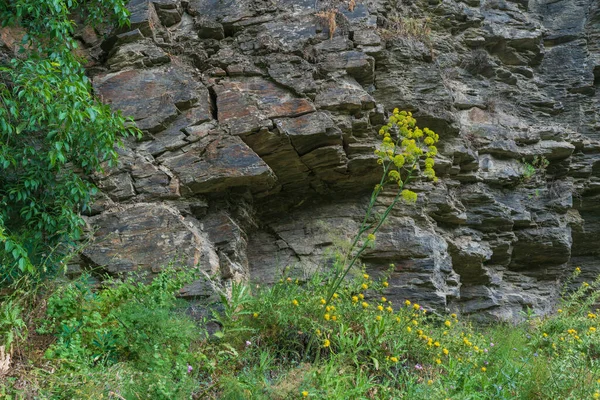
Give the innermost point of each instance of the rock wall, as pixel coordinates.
(260, 125)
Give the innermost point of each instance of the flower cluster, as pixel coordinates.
(404, 144)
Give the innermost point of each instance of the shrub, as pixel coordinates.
(52, 132)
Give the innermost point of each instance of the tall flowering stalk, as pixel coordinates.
(402, 148)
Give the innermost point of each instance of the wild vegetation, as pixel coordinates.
(52, 133)
(329, 335)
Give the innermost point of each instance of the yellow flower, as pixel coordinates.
(365, 304)
(328, 308)
(544, 334)
(255, 315)
(354, 299)
(385, 284)
(378, 318)
(327, 317)
(559, 310)
(398, 319)
(416, 306)
(335, 296)
(365, 276)
(415, 323)
(394, 359)
(577, 269)
(383, 299)
(592, 329)
(380, 307)
(448, 324)
(323, 301)
(438, 361)
(437, 344)
(334, 318)
(389, 309)
(483, 369)
(371, 237)
(430, 382)
(453, 315)
(407, 302)
(445, 351)
(408, 329)
(318, 332)
(597, 395)
(364, 286)
(326, 343)
(361, 296)
(305, 394)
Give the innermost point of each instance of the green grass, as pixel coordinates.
(131, 341)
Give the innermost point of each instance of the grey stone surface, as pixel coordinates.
(260, 126)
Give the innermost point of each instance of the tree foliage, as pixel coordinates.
(53, 133)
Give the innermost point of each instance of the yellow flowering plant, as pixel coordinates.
(403, 146)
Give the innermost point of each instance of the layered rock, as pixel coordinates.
(260, 124)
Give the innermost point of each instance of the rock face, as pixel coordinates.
(260, 124)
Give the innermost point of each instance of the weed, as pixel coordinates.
(535, 168)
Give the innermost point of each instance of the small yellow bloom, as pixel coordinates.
(354, 299)
(383, 299)
(295, 302)
(385, 284)
(408, 329)
(364, 286)
(371, 237)
(328, 308)
(334, 317)
(416, 306)
(327, 317)
(380, 307)
(378, 318)
(326, 343)
(365, 304)
(305, 394)
(438, 361)
(453, 315)
(597, 395)
(415, 323)
(445, 351)
(448, 324)
(407, 302)
(323, 301)
(366, 276)
(577, 269)
(389, 309)
(483, 369)
(335, 296)
(592, 329)
(544, 334)
(361, 296)
(430, 382)
(394, 359)
(437, 344)
(398, 319)
(255, 315)
(318, 332)
(559, 310)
